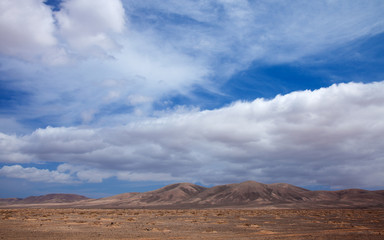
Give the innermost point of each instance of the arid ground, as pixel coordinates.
(191, 224)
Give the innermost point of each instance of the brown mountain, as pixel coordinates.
(7, 201)
(54, 198)
(173, 194)
(346, 198)
(248, 194)
(44, 199)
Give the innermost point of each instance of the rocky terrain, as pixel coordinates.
(265, 224)
(248, 194)
(248, 210)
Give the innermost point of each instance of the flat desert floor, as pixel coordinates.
(191, 224)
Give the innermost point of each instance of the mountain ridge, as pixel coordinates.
(45, 199)
(249, 194)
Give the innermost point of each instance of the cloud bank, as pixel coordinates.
(35, 175)
(331, 136)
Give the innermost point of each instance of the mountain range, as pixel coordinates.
(248, 194)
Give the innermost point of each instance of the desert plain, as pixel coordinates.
(70, 223)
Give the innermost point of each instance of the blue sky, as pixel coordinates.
(105, 97)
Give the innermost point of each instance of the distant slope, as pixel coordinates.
(352, 198)
(54, 198)
(168, 195)
(248, 194)
(7, 201)
(45, 199)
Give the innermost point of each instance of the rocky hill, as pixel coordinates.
(248, 194)
(44, 199)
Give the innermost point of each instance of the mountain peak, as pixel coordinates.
(248, 194)
(173, 193)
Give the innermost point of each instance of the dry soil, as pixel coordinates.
(191, 224)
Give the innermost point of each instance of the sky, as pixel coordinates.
(105, 97)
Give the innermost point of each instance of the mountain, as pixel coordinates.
(172, 194)
(53, 198)
(44, 199)
(7, 201)
(347, 198)
(248, 194)
(169, 195)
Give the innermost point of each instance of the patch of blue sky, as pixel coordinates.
(199, 96)
(360, 61)
(54, 4)
(110, 110)
(269, 81)
(11, 98)
(52, 120)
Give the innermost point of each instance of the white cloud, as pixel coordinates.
(84, 173)
(10, 125)
(93, 175)
(27, 30)
(159, 177)
(10, 146)
(35, 175)
(241, 32)
(138, 99)
(65, 140)
(168, 48)
(87, 25)
(331, 136)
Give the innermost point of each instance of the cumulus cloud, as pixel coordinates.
(84, 173)
(35, 175)
(29, 30)
(159, 177)
(331, 136)
(86, 24)
(10, 146)
(26, 29)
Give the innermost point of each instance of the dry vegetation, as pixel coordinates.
(191, 224)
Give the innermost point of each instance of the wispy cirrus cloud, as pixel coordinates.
(235, 33)
(323, 137)
(155, 50)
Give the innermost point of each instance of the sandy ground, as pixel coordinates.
(190, 224)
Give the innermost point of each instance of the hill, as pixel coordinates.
(248, 194)
(44, 199)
